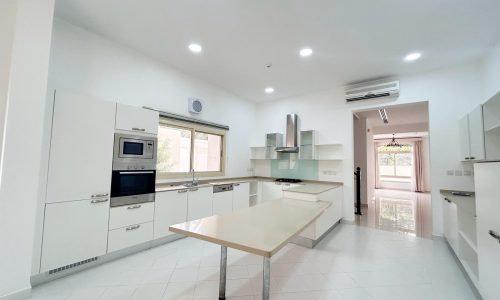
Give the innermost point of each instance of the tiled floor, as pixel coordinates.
(352, 262)
(406, 212)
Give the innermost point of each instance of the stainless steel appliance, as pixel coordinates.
(292, 125)
(134, 170)
(223, 188)
(288, 180)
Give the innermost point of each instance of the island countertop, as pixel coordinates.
(314, 188)
(262, 229)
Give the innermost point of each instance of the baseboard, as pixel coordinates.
(308, 243)
(438, 238)
(18, 295)
(348, 222)
(46, 277)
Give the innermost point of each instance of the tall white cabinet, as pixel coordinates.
(79, 180)
(486, 177)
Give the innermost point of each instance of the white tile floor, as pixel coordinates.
(351, 263)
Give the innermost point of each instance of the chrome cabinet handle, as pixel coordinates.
(494, 235)
(193, 190)
(99, 201)
(182, 191)
(138, 129)
(99, 195)
(132, 227)
(134, 206)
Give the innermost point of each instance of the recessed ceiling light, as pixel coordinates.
(269, 90)
(195, 48)
(305, 52)
(412, 56)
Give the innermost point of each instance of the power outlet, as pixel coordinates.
(467, 172)
(450, 172)
(329, 172)
(458, 172)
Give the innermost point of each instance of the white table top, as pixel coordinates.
(262, 229)
(313, 188)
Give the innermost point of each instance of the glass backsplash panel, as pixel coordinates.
(289, 166)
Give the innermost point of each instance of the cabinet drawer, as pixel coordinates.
(131, 214)
(129, 236)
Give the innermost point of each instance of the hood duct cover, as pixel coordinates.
(291, 144)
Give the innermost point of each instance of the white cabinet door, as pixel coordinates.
(74, 231)
(271, 191)
(463, 127)
(170, 208)
(222, 202)
(131, 118)
(241, 195)
(487, 207)
(123, 216)
(129, 236)
(199, 203)
(476, 134)
(450, 226)
(81, 150)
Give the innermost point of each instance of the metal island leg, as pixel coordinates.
(223, 268)
(266, 276)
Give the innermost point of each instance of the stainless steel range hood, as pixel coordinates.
(291, 144)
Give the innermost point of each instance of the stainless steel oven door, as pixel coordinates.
(129, 187)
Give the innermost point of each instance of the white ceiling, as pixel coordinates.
(353, 40)
(399, 115)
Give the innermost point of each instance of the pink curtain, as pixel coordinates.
(418, 168)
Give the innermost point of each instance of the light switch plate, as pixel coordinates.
(458, 172)
(450, 172)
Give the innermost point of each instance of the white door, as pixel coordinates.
(476, 132)
(170, 209)
(488, 226)
(271, 191)
(463, 126)
(199, 203)
(81, 150)
(450, 213)
(222, 202)
(241, 195)
(74, 231)
(136, 119)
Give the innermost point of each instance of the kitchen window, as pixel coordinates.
(183, 146)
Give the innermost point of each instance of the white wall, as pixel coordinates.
(20, 172)
(491, 72)
(451, 94)
(7, 25)
(87, 63)
(360, 155)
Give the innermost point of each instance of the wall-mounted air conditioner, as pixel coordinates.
(372, 89)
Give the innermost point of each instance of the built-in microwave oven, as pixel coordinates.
(134, 152)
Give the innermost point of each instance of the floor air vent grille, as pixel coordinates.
(73, 265)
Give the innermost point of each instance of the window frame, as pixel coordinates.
(193, 127)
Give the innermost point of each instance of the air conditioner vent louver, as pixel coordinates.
(73, 265)
(370, 90)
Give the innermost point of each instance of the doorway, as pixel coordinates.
(391, 147)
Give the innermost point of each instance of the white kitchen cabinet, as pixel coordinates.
(271, 191)
(199, 203)
(488, 226)
(131, 214)
(81, 149)
(222, 202)
(450, 223)
(241, 195)
(129, 236)
(170, 208)
(285, 186)
(136, 119)
(472, 135)
(74, 231)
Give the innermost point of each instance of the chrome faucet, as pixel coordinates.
(194, 182)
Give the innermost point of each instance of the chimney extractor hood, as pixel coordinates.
(291, 135)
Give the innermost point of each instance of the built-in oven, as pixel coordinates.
(132, 187)
(134, 170)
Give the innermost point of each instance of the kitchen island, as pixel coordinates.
(262, 230)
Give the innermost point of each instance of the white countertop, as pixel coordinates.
(262, 229)
(314, 188)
